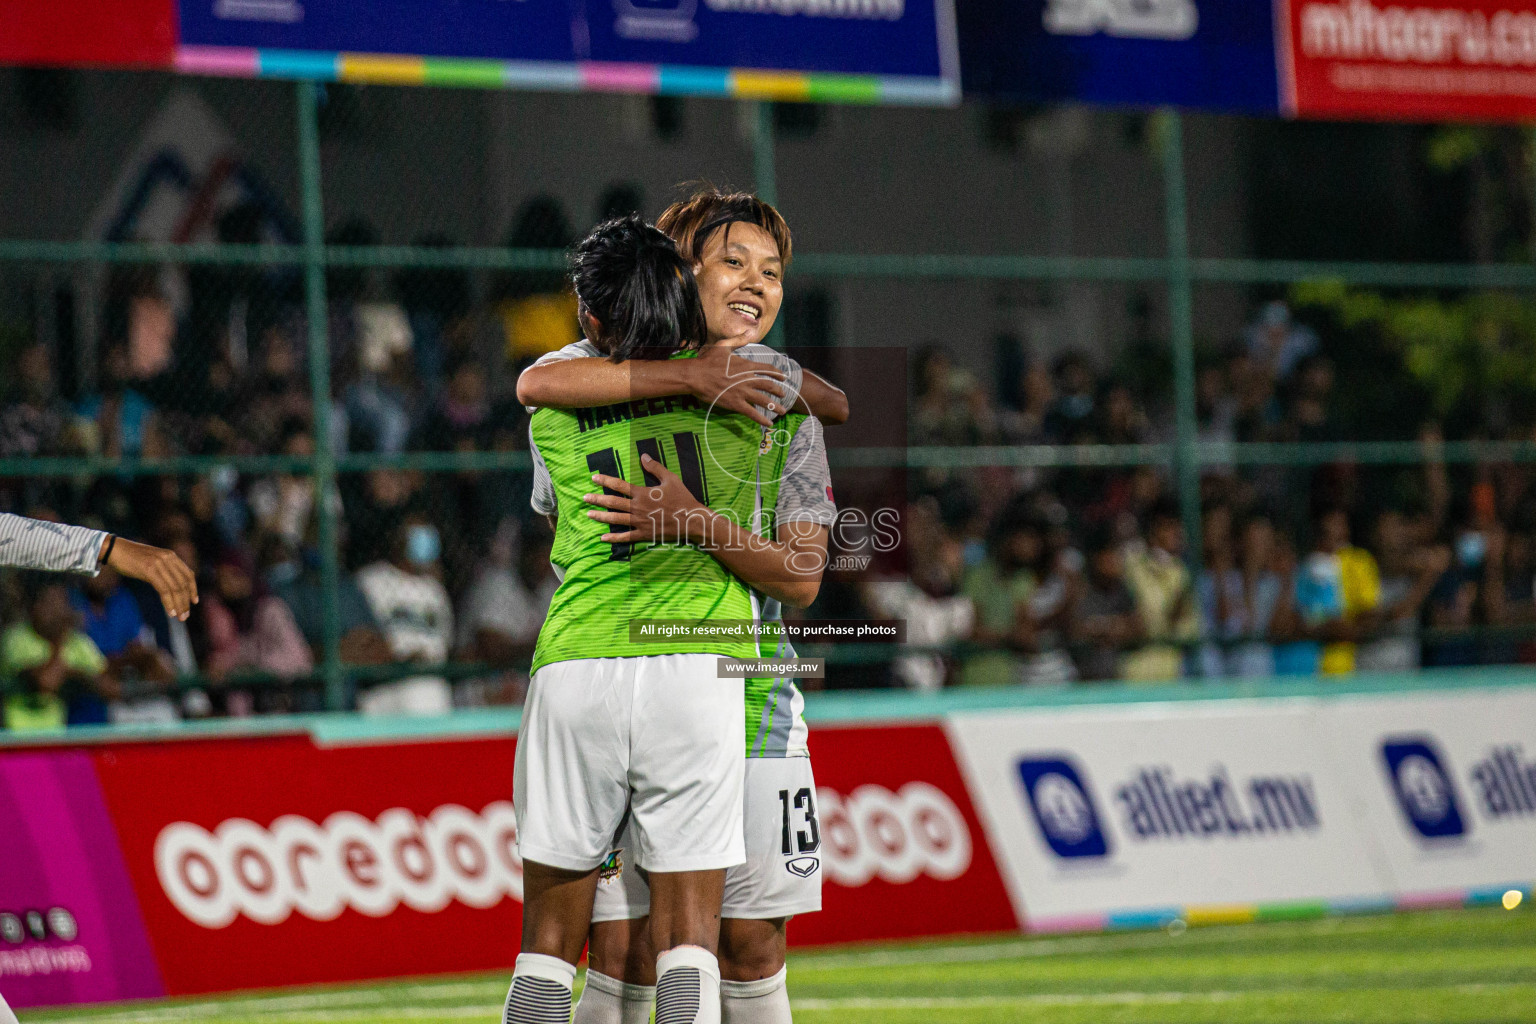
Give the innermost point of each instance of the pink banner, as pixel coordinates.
(141, 869)
(70, 928)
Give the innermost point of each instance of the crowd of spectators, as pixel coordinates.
(1012, 576)
(1049, 576)
(434, 567)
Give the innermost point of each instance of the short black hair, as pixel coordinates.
(35, 584)
(632, 280)
(1101, 537)
(1164, 510)
(1253, 519)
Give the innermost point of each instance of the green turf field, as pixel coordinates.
(1441, 967)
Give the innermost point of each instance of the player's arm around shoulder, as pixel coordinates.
(822, 399)
(582, 381)
(757, 383)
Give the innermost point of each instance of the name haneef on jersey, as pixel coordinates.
(622, 412)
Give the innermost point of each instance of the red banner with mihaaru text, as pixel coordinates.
(1467, 60)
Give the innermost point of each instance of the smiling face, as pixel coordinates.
(741, 282)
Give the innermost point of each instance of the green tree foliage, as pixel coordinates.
(1478, 347)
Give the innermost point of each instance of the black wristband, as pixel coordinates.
(106, 556)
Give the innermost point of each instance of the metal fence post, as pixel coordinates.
(1530, 160)
(1182, 331)
(764, 175)
(320, 389)
(765, 181)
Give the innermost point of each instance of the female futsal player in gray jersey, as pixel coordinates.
(54, 547)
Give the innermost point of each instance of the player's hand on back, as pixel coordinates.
(662, 512)
(719, 377)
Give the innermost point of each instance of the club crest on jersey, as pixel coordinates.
(611, 868)
(805, 867)
(773, 436)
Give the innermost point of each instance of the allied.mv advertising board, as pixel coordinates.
(1445, 785)
(1118, 814)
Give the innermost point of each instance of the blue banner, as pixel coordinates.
(867, 37)
(877, 37)
(1192, 53)
(493, 29)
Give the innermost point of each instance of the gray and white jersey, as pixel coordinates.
(543, 499)
(49, 547)
(805, 495)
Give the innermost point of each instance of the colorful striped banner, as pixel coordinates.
(594, 76)
(225, 61)
(1196, 916)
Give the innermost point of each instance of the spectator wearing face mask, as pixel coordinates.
(1409, 571)
(1277, 343)
(248, 629)
(409, 600)
(1071, 416)
(297, 580)
(1453, 603)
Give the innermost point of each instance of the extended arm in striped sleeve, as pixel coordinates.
(50, 547)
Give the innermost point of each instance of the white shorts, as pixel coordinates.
(782, 874)
(659, 737)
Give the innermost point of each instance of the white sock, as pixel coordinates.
(6, 1016)
(687, 986)
(756, 1002)
(608, 1000)
(540, 992)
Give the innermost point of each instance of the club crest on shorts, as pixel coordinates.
(805, 867)
(611, 867)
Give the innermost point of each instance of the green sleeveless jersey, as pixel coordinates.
(603, 587)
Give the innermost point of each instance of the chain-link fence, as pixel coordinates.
(298, 371)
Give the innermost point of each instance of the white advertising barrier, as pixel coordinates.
(1127, 815)
(1445, 785)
